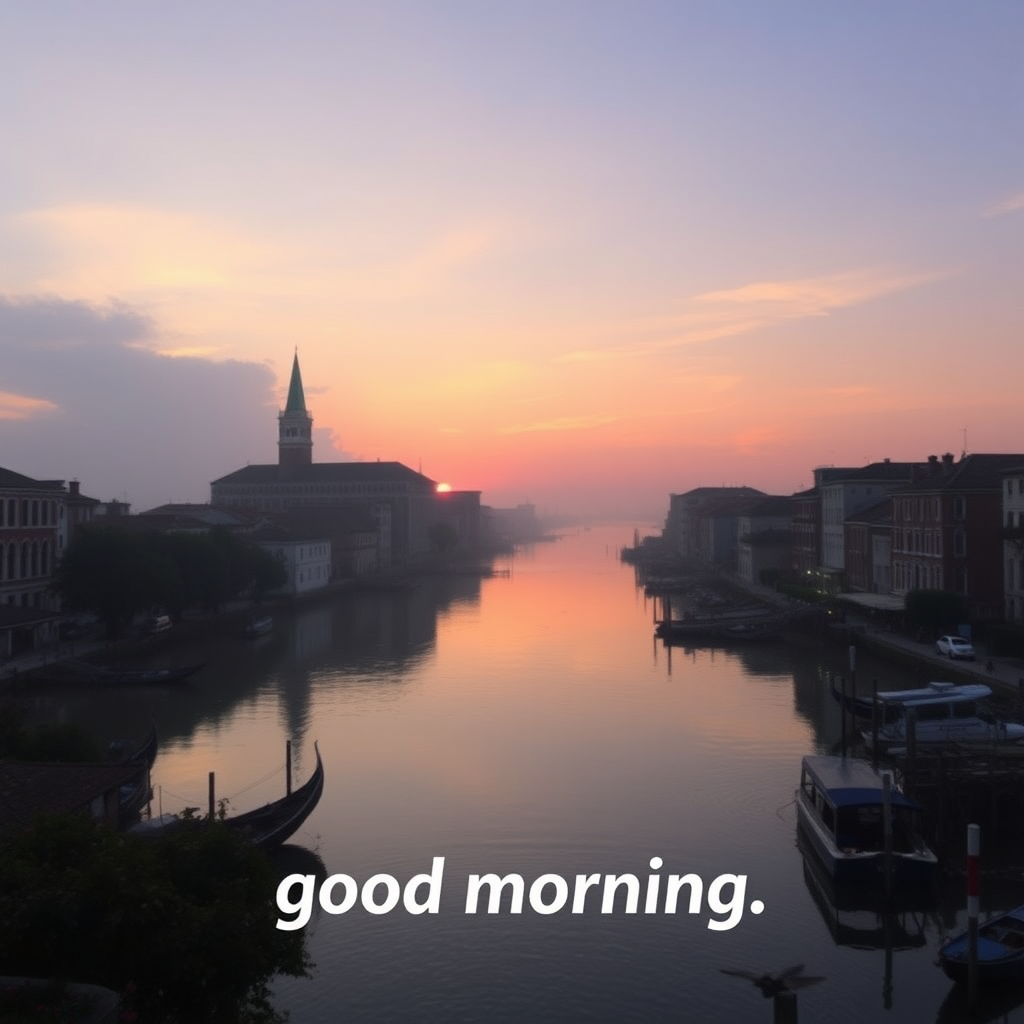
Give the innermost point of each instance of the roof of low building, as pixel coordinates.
(9, 480)
(28, 788)
(976, 472)
(326, 472)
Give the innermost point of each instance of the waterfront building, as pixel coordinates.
(701, 523)
(764, 539)
(401, 502)
(868, 546)
(1013, 544)
(947, 529)
(846, 495)
(38, 518)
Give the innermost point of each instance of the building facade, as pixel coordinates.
(1013, 544)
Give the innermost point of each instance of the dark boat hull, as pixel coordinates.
(1000, 952)
(277, 822)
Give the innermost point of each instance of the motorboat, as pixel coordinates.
(942, 713)
(1000, 949)
(841, 808)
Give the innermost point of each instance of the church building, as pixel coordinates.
(403, 504)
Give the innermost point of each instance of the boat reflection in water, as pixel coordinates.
(860, 917)
(994, 1003)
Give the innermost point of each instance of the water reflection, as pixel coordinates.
(529, 723)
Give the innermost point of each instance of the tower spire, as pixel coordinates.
(296, 397)
(295, 425)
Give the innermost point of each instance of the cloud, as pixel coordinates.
(1012, 204)
(727, 313)
(22, 407)
(90, 249)
(84, 395)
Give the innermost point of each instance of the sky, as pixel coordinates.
(578, 253)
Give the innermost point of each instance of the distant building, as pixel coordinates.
(869, 549)
(402, 503)
(1013, 543)
(38, 518)
(511, 525)
(764, 538)
(846, 496)
(947, 529)
(701, 523)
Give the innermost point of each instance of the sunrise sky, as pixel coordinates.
(572, 252)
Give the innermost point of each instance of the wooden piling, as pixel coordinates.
(874, 724)
(887, 830)
(973, 851)
(212, 802)
(785, 1008)
(288, 767)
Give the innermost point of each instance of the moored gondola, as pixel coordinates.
(275, 823)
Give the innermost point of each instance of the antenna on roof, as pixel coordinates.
(963, 453)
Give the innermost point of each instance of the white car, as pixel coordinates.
(955, 647)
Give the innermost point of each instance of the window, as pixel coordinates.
(960, 507)
(959, 544)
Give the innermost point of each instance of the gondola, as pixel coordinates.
(862, 707)
(1000, 950)
(274, 824)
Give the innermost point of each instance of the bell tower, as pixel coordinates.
(295, 426)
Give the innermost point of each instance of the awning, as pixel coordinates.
(876, 602)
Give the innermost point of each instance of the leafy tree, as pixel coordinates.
(114, 573)
(266, 572)
(57, 742)
(184, 923)
(118, 573)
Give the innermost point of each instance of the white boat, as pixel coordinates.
(840, 807)
(943, 713)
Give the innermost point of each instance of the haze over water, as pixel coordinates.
(529, 723)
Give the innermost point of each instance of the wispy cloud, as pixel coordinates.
(727, 313)
(23, 407)
(94, 249)
(1011, 204)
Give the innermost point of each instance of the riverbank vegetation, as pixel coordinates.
(182, 926)
(117, 574)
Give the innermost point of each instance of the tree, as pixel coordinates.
(186, 923)
(116, 574)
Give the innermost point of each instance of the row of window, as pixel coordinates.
(1020, 485)
(1015, 574)
(28, 512)
(915, 576)
(24, 561)
(29, 599)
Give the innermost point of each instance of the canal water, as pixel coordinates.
(527, 723)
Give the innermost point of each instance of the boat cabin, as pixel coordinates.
(846, 797)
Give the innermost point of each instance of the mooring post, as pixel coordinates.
(887, 829)
(973, 851)
(288, 767)
(785, 1008)
(853, 670)
(874, 724)
(842, 713)
(211, 796)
